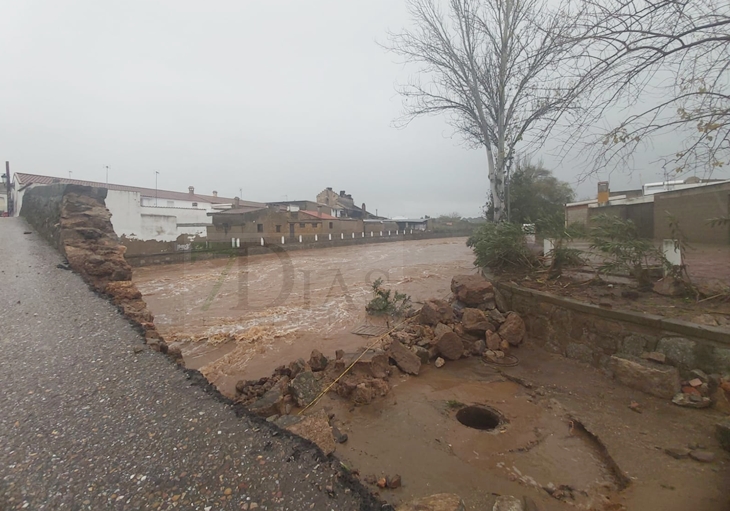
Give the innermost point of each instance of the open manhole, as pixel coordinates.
(479, 417)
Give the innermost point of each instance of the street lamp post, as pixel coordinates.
(107, 174)
(156, 174)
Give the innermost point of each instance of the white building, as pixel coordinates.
(144, 213)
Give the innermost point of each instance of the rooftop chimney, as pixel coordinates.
(603, 193)
(191, 189)
(215, 193)
(364, 212)
(236, 202)
(342, 193)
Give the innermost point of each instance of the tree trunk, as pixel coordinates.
(494, 185)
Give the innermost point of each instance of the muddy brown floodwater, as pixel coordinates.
(240, 318)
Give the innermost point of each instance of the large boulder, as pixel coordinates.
(475, 321)
(438, 502)
(317, 361)
(305, 388)
(405, 359)
(373, 364)
(269, 404)
(450, 346)
(472, 290)
(658, 380)
(513, 329)
(434, 312)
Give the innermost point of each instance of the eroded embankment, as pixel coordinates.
(76, 221)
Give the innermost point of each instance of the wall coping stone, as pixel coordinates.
(676, 326)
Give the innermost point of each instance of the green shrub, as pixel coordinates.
(500, 246)
(618, 240)
(386, 302)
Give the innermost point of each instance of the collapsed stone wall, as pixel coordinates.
(76, 221)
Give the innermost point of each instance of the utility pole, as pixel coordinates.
(156, 174)
(69, 173)
(107, 174)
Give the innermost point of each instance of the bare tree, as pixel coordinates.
(502, 71)
(667, 63)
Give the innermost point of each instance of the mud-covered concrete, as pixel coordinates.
(92, 419)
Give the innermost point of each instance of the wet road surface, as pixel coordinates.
(87, 423)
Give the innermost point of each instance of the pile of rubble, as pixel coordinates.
(475, 322)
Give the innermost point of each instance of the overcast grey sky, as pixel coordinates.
(278, 98)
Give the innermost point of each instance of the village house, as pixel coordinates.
(693, 202)
(274, 224)
(145, 213)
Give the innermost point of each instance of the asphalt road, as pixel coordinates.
(90, 420)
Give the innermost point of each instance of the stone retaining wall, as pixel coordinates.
(76, 221)
(592, 334)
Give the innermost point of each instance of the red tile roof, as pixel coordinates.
(316, 214)
(27, 179)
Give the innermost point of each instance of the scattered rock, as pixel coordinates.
(475, 321)
(434, 312)
(703, 456)
(695, 382)
(438, 502)
(722, 432)
(493, 341)
(405, 359)
(339, 354)
(635, 407)
(496, 317)
(449, 346)
(478, 347)
(654, 356)
(700, 374)
(374, 363)
(296, 367)
(317, 361)
(660, 381)
(440, 362)
(678, 453)
(269, 404)
(382, 482)
(508, 503)
(722, 403)
(305, 388)
(440, 330)
(691, 401)
(316, 428)
(690, 390)
(500, 301)
(422, 353)
(472, 290)
(174, 351)
(394, 482)
(504, 345)
(339, 436)
(669, 287)
(513, 329)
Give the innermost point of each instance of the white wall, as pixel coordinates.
(3, 202)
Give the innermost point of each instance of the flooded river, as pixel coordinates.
(239, 318)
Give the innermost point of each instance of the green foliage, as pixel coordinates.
(625, 251)
(386, 302)
(561, 256)
(535, 193)
(719, 221)
(500, 246)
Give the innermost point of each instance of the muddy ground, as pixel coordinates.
(413, 432)
(240, 318)
(566, 426)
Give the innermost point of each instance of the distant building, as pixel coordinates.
(693, 202)
(4, 196)
(342, 204)
(144, 213)
(274, 223)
